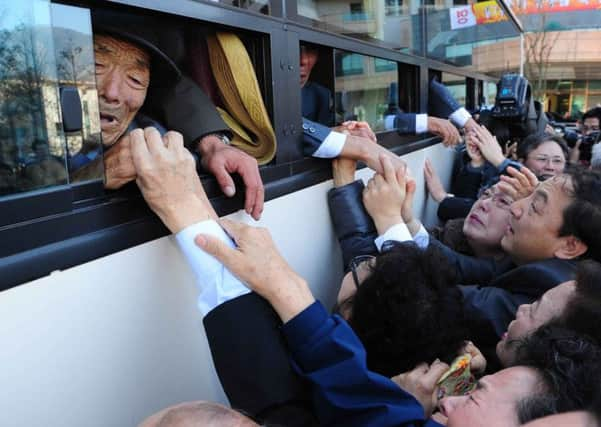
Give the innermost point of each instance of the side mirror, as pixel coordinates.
(71, 109)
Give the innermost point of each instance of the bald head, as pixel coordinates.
(197, 414)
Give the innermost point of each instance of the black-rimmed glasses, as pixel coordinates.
(356, 263)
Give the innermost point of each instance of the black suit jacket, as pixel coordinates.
(252, 361)
(317, 103)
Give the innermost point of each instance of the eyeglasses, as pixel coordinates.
(586, 128)
(558, 161)
(501, 200)
(359, 262)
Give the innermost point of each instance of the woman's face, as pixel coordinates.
(488, 219)
(547, 160)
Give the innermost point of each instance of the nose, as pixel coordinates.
(110, 87)
(448, 404)
(485, 204)
(521, 310)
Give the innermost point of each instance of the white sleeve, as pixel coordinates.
(331, 147)
(422, 238)
(460, 117)
(397, 233)
(215, 283)
(421, 123)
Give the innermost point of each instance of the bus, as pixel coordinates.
(99, 324)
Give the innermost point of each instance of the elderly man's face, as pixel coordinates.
(122, 79)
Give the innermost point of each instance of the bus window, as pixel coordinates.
(396, 23)
(316, 79)
(32, 143)
(74, 47)
(456, 84)
(364, 88)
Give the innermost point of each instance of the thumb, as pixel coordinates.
(215, 247)
(225, 181)
(437, 369)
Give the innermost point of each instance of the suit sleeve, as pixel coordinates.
(405, 123)
(185, 108)
(327, 352)
(314, 134)
(353, 226)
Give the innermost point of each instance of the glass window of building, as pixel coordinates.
(392, 23)
(365, 87)
(259, 6)
(32, 143)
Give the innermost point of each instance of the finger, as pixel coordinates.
(233, 229)
(174, 141)
(258, 203)
(410, 187)
(225, 180)
(139, 150)
(507, 189)
(154, 141)
(434, 373)
(530, 175)
(254, 187)
(421, 369)
(389, 172)
(511, 181)
(228, 256)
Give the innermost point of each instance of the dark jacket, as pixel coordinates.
(317, 103)
(252, 361)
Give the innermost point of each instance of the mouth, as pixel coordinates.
(473, 218)
(108, 120)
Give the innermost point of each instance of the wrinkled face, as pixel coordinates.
(568, 419)
(547, 160)
(488, 219)
(530, 317)
(122, 79)
(590, 125)
(533, 231)
(308, 59)
(494, 401)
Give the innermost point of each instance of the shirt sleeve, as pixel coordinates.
(460, 117)
(422, 238)
(396, 233)
(332, 146)
(421, 123)
(215, 283)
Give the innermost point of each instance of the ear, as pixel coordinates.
(570, 247)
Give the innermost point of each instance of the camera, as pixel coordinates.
(586, 145)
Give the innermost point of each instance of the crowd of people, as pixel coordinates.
(488, 320)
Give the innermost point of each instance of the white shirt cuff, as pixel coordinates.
(216, 284)
(421, 123)
(389, 122)
(397, 233)
(331, 146)
(460, 117)
(422, 238)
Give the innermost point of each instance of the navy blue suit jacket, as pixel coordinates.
(317, 103)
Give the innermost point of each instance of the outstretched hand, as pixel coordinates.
(223, 160)
(520, 184)
(433, 182)
(257, 262)
(445, 129)
(384, 196)
(166, 175)
(421, 384)
(487, 144)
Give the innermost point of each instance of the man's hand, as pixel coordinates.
(343, 171)
(222, 160)
(520, 184)
(166, 175)
(118, 164)
(407, 210)
(433, 183)
(488, 145)
(476, 158)
(365, 150)
(384, 196)
(445, 129)
(257, 262)
(359, 129)
(421, 384)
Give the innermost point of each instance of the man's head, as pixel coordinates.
(406, 310)
(575, 305)
(196, 414)
(544, 154)
(561, 219)
(487, 221)
(122, 79)
(308, 58)
(591, 120)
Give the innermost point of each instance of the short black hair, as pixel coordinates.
(569, 367)
(594, 112)
(409, 310)
(533, 141)
(582, 217)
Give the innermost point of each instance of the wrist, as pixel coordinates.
(497, 160)
(177, 216)
(208, 144)
(383, 223)
(291, 298)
